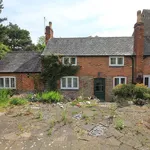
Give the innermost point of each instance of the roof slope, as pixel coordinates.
(90, 46)
(21, 62)
(146, 21)
(147, 46)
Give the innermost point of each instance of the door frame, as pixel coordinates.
(104, 88)
(148, 76)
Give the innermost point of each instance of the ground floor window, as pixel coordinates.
(70, 82)
(147, 80)
(8, 82)
(119, 80)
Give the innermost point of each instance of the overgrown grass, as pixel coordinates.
(119, 124)
(4, 98)
(18, 101)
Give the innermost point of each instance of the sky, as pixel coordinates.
(74, 18)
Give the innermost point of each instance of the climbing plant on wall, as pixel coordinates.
(53, 70)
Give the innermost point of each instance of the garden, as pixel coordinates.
(48, 121)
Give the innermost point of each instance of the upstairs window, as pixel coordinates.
(116, 61)
(119, 80)
(70, 60)
(7, 82)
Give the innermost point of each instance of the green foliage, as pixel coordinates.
(16, 38)
(140, 90)
(4, 97)
(1, 7)
(124, 90)
(3, 50)
(53, 70)
(119, 124)
(40, 44)
(5, 93)
(18, 101)
(50, 97)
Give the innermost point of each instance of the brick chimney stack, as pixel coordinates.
(139, 47)
(48, 32)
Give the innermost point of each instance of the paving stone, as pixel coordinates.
(98, 130)
(125, 147)
(11, 136)
(113, 141)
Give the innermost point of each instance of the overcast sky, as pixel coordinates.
(75, 18)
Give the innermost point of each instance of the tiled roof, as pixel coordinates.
(146, 21)
(97, 46)
(21, 62)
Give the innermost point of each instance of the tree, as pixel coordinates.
(1, 7)
(3, 50)
(41, 44)
(17, 39)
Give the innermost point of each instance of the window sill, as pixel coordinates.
(69, 89)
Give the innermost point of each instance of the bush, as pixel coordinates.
(5, 93)
(119, 124)
(138, 93)
(124, 90)
(52, 96)
(140, 90)
(18, 101)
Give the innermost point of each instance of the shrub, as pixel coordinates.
(5, 93)
(51, 97)
(18, 101)
(140, 90)
(124, 90)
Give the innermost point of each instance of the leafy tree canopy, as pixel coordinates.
(41, 44)
(3, 50)
(1, 7)
(16, 38)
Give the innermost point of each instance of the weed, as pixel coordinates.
(40, 115)
(50, 132)
(18, 101)
(74, 113)
(20, 127)
(64, 117)
(86, 118)
(119, 124)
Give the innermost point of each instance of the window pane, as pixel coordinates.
(146, 81)
(63, 82)
(1, 82)
(12, 81)
(6, 82)
(122, 80)
(113, 61)
(73, 61)
(66, 60)
(120, 61)
(75, 82)
(116, 81)
(69, 82)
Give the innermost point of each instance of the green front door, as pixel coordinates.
(99, 88)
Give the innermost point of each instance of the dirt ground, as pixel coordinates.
(90, 125)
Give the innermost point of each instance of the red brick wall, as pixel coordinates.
(24, 82)
(89, 68)
(146, 70)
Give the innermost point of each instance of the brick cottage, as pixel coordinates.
(104, 61)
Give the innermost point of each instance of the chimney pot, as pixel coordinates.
(139, 16)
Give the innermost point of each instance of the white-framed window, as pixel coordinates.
(116, 61)
(70, 82)
(69, 60)
(119, 80)
(146, 80)
(7, 82)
